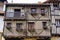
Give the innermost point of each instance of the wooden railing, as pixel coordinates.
(15, 15)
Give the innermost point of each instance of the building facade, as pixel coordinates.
(32, 21)
(26, 21)
(55, 20)
(1, 17)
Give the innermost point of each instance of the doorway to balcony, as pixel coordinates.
(17, 13)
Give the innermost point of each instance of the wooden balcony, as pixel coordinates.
(15, 15)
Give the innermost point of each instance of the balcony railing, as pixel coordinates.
(15, 15)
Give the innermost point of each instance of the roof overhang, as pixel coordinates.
(53, 1)
(3, 0)
(25, 5)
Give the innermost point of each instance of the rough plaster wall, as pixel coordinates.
(37, 24)
(38, 27)
(13, 30)
(1, 7)
(0, 36)
(1, 23)
(55, 38)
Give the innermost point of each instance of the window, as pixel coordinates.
(8, 25)
(17, 13)
(31, 26)
(42, 11)
(44, 25)
(57, 22)
(33, 10)
(56, 5)
(17, 10)
(18, 26)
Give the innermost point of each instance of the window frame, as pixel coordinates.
(18, 26)
(44, 24)
(33, 9)
(9, 25)
(57, 22)
(17, 13)
(56, 4)
(31, 26)
(42, 12)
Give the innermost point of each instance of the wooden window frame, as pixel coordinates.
(43, 11)
(33, 9)
(19, 26)
(8, 26)
(44, 24)
(31, 26)
(57, 22)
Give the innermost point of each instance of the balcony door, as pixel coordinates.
(17, 13)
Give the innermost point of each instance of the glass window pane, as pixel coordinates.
(57, 22)
(33, 9)
(9, 14)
